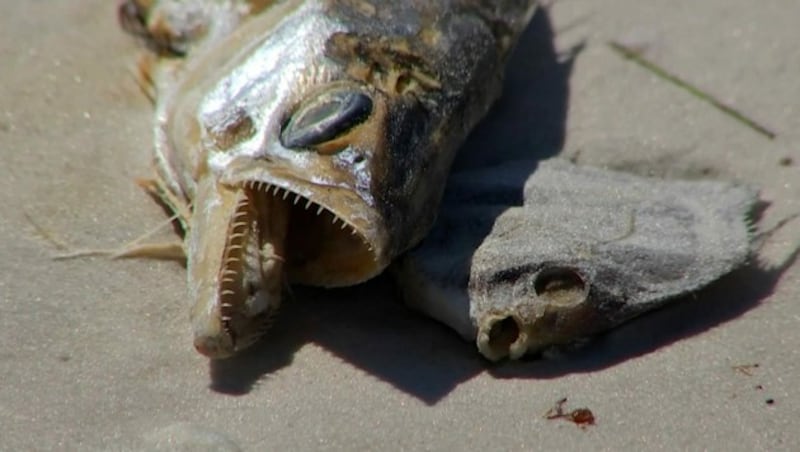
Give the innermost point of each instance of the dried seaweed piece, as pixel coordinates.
(581, 417)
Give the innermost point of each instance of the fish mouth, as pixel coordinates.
(330, 240)
(274, 236)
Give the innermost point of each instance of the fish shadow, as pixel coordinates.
(368, 327)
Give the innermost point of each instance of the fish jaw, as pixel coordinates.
(250, 238)
(235, 267)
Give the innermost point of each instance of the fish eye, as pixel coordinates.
(325, 117)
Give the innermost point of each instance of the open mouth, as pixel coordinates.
(274, 236)
(316, 245)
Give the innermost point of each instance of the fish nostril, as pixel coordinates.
(231, 131)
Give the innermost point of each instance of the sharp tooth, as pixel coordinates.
(285, 194)
(227, 292)
(335, 218)
(227, 305)
(354, 232)
(277, 189)
(319, 211)
(308, 204)
(296, 199)
(344, 225)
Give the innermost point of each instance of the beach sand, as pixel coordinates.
(96, 354)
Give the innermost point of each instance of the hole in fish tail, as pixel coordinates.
(502, 334)
(561, 286)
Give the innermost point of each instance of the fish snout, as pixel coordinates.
(214, 346)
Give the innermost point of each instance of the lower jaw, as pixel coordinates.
(317, 245)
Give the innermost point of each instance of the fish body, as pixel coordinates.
(312, 139)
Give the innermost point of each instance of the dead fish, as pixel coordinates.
(309, 141)
(586, 251)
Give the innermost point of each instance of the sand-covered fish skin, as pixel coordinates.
(586, 251)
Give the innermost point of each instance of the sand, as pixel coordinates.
(96, 354)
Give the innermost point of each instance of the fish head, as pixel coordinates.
(303, 166)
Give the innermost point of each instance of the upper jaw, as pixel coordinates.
(335, 238)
